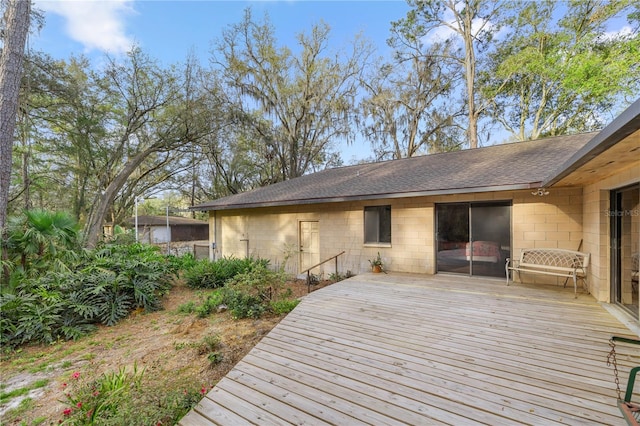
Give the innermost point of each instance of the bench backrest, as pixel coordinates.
(555, 258)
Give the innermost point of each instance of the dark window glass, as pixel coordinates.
(377, 224)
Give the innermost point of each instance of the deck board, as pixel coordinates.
(410, 349)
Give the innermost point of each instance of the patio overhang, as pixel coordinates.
(615, 149)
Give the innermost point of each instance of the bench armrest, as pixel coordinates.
(514, 262)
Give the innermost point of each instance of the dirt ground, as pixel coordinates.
(168, 344)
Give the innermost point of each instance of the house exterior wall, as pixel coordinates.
(157, 234)
(554, 220)
(549, 221)
(597, 229)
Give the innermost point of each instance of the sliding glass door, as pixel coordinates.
(625, 246)
(473, 238)
(452, 237)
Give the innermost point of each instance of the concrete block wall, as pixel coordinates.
(549, 221)
(597, 228)
(553, 221)
(273, 233)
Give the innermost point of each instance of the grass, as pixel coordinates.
(6, 396)
(43, 361)
(39, 421)
(25, 406)
(88, 356)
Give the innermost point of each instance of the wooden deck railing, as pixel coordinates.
(308, 271)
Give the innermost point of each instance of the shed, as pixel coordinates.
(162, 229)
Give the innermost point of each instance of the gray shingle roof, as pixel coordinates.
(499, 167)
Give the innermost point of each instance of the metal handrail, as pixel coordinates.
(308, 271)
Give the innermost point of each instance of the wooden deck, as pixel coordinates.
(421, 350)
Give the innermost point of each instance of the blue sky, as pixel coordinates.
(168, 30)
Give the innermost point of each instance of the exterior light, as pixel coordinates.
(541, 192)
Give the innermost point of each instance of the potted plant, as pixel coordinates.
(376, 264)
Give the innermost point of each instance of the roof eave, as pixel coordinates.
(449, 191)
(624, 125)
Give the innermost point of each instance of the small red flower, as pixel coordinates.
(79, 405)
(75, 375)
(64, 385)
(96, 393)
(203, 390)
(67, 412)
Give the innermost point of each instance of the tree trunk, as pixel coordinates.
(470, 75)
(105, 200)
(11, 59)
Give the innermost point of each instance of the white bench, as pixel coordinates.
(547, 261)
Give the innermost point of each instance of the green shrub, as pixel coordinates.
(243, 305)
(335, 277)
(121, 278)
(103, 285)
(40, 241)
(182, 263)
(207, 274)
(203, 275)
(215, 358)
(42, 309)
(210, 304)
(187, 308)
(256, 292)
(209, 343)
(280, 307)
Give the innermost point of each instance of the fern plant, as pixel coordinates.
(54, 289)
(41, 241)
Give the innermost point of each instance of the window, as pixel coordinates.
(377, 224)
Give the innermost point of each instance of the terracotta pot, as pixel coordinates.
(376, 268)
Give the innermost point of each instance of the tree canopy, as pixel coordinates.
(91, 139)
(550, 77)
(296, 105)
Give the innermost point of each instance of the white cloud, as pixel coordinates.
(445, 31)
(97, 24)
(623, 32)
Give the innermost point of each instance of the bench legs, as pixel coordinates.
(574, 276)
(507, 273)
(507, 269)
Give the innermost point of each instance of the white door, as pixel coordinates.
(309, 244)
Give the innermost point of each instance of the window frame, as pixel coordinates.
(382, 227)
